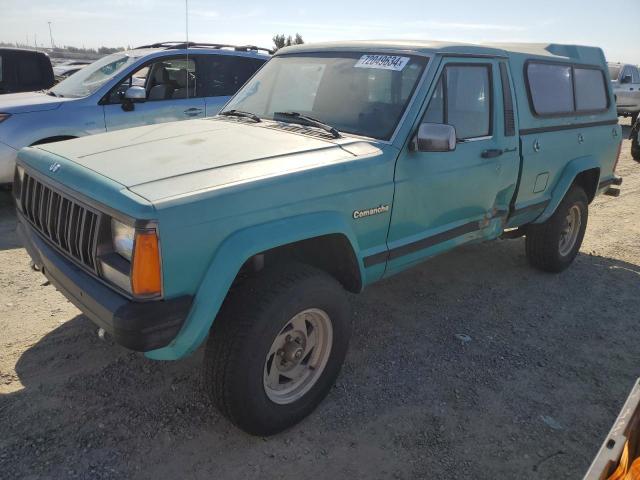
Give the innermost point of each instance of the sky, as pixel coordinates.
(614, 26)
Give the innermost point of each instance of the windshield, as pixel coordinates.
(92, 77)
(358, 93)
(614, 72)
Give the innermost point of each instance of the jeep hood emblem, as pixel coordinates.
(54, 167)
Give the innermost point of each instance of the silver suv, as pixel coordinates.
(626, 87)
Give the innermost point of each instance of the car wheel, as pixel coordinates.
(634, 118)
(276, 347)
(551, 246)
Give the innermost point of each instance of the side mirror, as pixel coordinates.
(136, 94)
(435, 137)
(626, 79)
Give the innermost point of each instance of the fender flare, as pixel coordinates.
(569, 174)
(229, 258)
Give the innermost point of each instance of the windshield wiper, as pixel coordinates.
(49, 92)
(240, 113)
(310, 121)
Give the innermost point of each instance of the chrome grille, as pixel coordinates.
(65, 222)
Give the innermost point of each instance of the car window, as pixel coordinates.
(551, 88)
(463, 99)
(1, 62)
(29, 72)
(93, 76)
(223, 75)
(165, 79)
(635, 75)
(360, 93)
(591, 93)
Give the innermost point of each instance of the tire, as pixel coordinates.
(635, 148)
(547, 245)
(250, 325)
(634, 118)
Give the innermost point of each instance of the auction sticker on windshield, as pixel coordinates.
(385, 62)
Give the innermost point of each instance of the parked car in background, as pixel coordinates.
(335, 166)
(67, 69)
(152, 84)
(24, 70)
(626, 87)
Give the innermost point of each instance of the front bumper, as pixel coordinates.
(8, 157)
(140, 326)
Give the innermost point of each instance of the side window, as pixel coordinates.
(635, 75)
(225, 74)
(557, 89)
(463, 99)
(1, 68)
(551, 88)
(591, 93)
(29, 73)
(166, 79)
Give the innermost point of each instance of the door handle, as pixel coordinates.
(492, 153)
(192, 112)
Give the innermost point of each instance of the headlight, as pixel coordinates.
(134, 263)
(122, 236)
(4, 116)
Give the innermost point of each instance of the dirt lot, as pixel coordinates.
(532, 394)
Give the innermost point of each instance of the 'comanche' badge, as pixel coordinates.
(370, 211)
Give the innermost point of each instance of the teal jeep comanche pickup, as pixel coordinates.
(335, 166)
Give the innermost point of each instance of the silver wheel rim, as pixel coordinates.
(570, 230)
(298, 356)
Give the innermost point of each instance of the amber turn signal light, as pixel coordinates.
(146, 277)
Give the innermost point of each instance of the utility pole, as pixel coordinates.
(50, 35)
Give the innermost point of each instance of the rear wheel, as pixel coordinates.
(551, 246)
(276, 347)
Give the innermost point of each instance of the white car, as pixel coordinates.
(157, 83)
(626, 87)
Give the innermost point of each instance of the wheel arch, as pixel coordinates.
(583, 171)
(307, 238)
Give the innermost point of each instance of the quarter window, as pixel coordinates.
(463, 99)
(559, 89)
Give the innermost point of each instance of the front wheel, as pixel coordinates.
(551, 246)
(276, 347)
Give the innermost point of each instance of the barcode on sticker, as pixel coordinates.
(385, 62)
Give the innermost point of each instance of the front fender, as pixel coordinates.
(230, 256)
(569, 174)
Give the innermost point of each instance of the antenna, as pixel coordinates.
(186, 26)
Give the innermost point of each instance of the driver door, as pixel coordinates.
(172, 94)
(445, 199)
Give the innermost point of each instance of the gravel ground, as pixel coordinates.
(472, 365)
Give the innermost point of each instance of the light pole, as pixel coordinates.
(50, 35)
